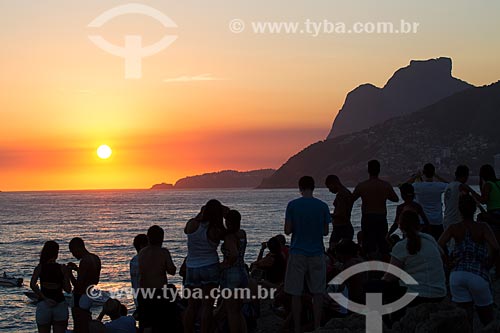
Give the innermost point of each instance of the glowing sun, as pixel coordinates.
(104, 152)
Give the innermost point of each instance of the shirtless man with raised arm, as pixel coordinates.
(374, 194)
(89, 271)
(155, 262)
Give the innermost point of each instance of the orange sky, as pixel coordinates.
(267, 97)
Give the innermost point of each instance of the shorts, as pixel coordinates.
(339, 232)
(202, 276)
(46, 314)
(468, 287)
(374, 227)
(234, 277)
(301, 268)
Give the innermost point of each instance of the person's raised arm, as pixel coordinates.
(391, 195)
(356, 194)
(441, 179)
(261, 252)
(413, 178)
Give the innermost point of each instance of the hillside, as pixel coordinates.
(225, 179)
(462, 128)
(411, 88)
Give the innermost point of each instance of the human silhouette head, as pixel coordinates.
(467, 207)
(429, 170)
(282, 239)
(140, 242)
(407, 192)
(487, 173)
(213, 213)
(50, 251)
(373, 168)
(112, 308)
(462, 173)
(306, 183)
(77, 247)
(274, 246)
(333, 183)
(155, 235)
(233, 221)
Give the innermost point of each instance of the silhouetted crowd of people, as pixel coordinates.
(449, 250)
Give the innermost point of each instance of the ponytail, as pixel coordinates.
(409, 224)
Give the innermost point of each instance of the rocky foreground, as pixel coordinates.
(425, 318)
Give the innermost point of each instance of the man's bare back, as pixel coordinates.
(374, 194)
(154, 264)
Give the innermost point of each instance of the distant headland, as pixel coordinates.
(162, 186)
(221, 179)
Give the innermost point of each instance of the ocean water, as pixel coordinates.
(109, 220)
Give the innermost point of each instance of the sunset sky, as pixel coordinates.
(213, 99)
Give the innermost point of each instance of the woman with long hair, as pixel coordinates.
(52, 309)
(469, 278)
(419, 255)
(204, 233)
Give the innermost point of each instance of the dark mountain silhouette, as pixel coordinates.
(162, 186)
(411, 88)
(462, 128)
(225, 179)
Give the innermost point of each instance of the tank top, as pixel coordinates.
(494, 198)
(240, 262)
(51, 273)
(201, 250)
(471, 256)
